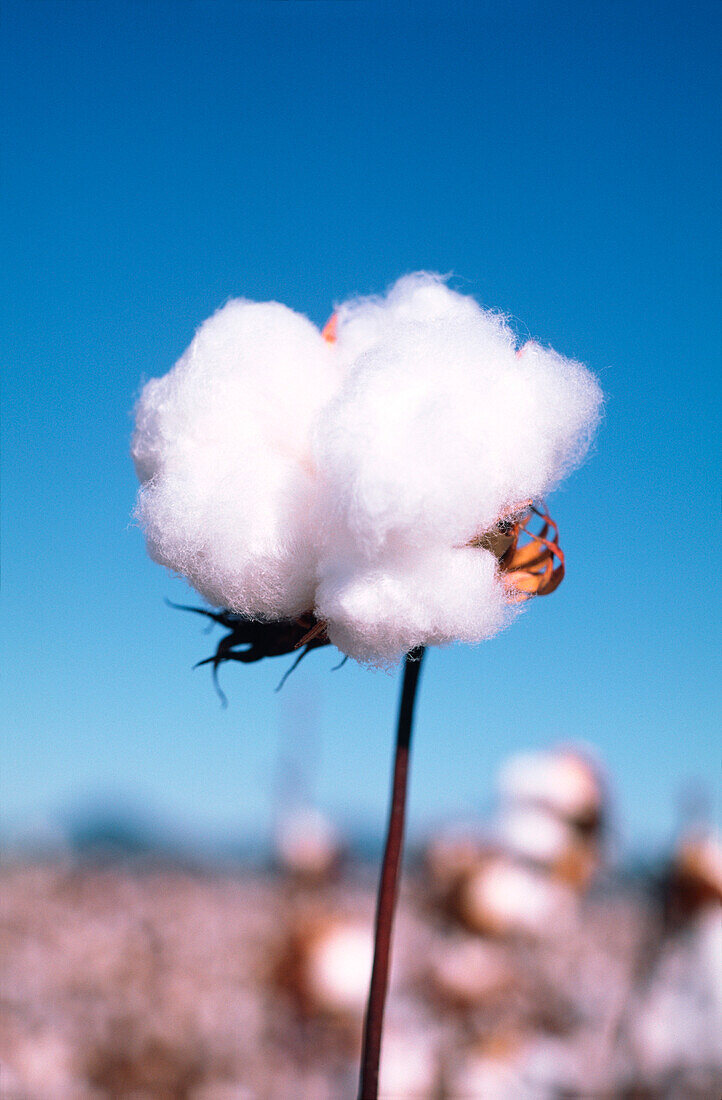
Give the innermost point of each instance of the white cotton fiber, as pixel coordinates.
(441, 425)
(229, 490)
(380, 609)
(282, 473)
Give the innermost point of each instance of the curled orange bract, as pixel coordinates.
(531, 562)
(533, 565)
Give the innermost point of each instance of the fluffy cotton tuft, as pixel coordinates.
(442, 424)
(381, 608)
(281, 473)
(229, 493)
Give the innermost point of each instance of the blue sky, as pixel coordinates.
(562, 161)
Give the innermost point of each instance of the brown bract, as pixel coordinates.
(531, 561)
(250, 640)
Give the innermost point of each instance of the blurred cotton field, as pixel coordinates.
(527, 963)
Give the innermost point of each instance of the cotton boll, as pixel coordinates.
(502, 898)
(338, 968)
(283, 473)
(535, 834)
(409, 1067)
(538, 835)
(694, 881)
(378, 612)
(563, 780)
(699, 860)
(324, 963)
(440, 425)
(222, 448)
(308, 845)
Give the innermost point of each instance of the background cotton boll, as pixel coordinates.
(435, 596)
(222, 446)
(506, 899)
(338, 967)
(534, 833)
(307, 844)
(563, 780)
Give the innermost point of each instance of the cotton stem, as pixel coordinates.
(388, 885)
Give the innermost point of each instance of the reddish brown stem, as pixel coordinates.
(388, 886)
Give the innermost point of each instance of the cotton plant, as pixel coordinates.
(374, 485)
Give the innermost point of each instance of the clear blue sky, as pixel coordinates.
(562, 160)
